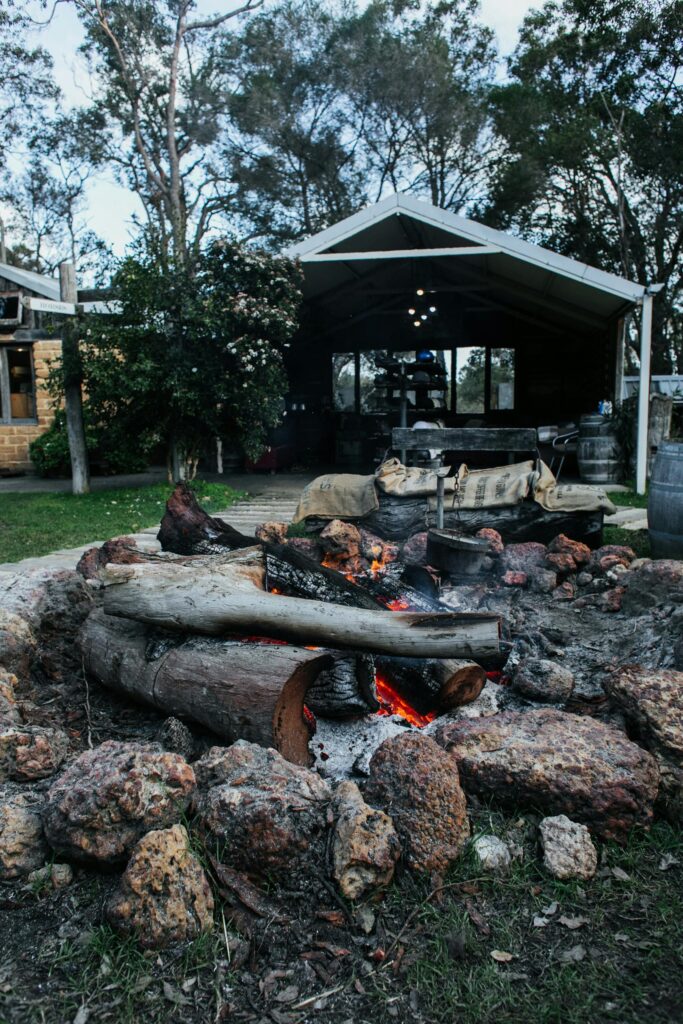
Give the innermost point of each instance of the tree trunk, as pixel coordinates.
(73, 399)
(251, 691)
(209, 602)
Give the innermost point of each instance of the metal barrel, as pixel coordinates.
(597, 451)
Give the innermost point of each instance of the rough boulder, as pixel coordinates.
(562, 763)
(365, 846)
(418, 787)
(109, 797)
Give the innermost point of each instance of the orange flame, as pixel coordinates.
(394, 704)
(398, 605)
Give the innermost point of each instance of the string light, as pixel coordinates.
(412, 312)
(432, 309)
(417, 323)
(420, 291)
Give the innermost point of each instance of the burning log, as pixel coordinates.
(345, 689)
(224, 600)
(239, 690)
(434, 683)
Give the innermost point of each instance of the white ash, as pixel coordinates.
(342, 749)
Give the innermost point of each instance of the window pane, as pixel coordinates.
(344, 381)
(20, 383)
(378, 398)
(470, 372)
(502, 378)
(437, 364)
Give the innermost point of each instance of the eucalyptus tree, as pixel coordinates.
(592, 119)
(26, 79)
(161, 97)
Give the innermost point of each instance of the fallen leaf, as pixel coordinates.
(331, 948)
(173, 995)
(288, 995)
(668, 861)
(82, 1015)
(621, 937)
(573, 955)
(477, 919)
(501, 957)
(550, 909)
(573, 922)
(540, 922)
(335, 917)
(621, 875)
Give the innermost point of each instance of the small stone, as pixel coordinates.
(611, 601)
(22, 844)
(492, 853)
(61, 875)
(542, 581)
(584, 579)
(564, 592)
(31, 752)
(496, 546)
(410, 777)
(365, 918)
(514, 578)
(365, 846)
(266, 814)
(175, 736)
(562, 564)
(523, 557)
(9, 714)
(543, 680)
(579, 552)
(341, 538)
(271, 532)
(164, 897)
(656, 584)
(568, 850)
(414, 550)
(109, 797)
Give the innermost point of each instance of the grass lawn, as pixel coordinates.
(36, 524)
(637, 539)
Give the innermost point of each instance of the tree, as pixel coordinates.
(193, 354)
(161, 99)
(294, 147)
(420, 80)
(592, 119)
(26, 80)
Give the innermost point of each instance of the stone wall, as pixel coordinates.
(16, 437)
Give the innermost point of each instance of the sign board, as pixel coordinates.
(49, 306)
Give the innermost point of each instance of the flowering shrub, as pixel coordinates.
(193, 355)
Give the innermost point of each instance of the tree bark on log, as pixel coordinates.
(345, 689)
(238, 690)
(208, 602)
(433, 683)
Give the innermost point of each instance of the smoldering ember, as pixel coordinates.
(271, 764)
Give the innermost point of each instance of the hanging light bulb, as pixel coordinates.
(412, 312)
(420, 291)
(423, 317)
(432, 309)
(416, 323)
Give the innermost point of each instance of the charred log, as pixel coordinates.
(433, 683)
(210, 602)
(188, 530)
(345, 689)
(253, 691)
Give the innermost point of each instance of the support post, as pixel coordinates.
(73, 398)
(644, 393)
(619, 363)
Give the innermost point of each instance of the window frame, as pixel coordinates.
(487, 410)
(6, 418)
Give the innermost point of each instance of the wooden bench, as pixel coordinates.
(506, 440)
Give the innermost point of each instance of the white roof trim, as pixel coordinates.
(393, 254)
(48, 287)
(473, 231)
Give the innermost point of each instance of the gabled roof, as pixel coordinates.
(47, 287)
(514, 271)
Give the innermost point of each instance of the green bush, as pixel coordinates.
(109, 449)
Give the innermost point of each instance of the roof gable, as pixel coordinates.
(47, 287)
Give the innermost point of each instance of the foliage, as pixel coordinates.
(160, 108)
(112, 449)
(194, 354)
(26, 79)
(35, 524)
(335, 103)
(592, 128)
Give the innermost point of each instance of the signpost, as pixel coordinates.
(49, 306)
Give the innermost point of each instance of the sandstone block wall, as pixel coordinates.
(16, 437)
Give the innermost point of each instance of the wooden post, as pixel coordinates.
(73, 399)
(619, 363)
(644, 393)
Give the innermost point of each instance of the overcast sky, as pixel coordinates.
(110, 206)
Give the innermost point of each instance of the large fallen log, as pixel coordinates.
(224, 600)
(253, 691)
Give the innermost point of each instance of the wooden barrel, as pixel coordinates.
(665, 503)
(597, 451)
